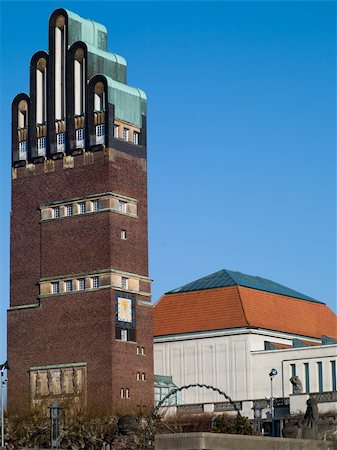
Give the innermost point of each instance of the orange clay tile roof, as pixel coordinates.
(236, 307)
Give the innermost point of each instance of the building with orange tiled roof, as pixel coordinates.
(229, 329)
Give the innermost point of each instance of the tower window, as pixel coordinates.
(138, 376)
(80, 136)
(126, 134)
(142, 377)
(95, 205)
(23, 114)
(100, 133)
(122, 206)
(68, 285)
(124, 283)
(143, 351)
(69, 210)
(123, 234)
(95, 282)
(61, 142)
(81, 284)
(127, 393)
(79, 82)
(124, 335)
(55, 287)
(122, 393)
(23, 147)
(41, 146)
(135, 137)
(56, 212)
(99, 97)
(82, 207)
(41, 91)
(116, 131)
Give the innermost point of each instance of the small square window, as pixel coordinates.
(123, 234)
(82, 207)
(124, 283)
(68, 285)
(56, 212)
(95, 205)
(135, 137)
(126, 134)
(55, 287)
(69, 210)
(124, 335)
(95, 282)
(116, 131)
(81, 284)
(122, 206)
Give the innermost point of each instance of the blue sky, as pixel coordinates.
(241, 133)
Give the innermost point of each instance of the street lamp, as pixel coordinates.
(3, 367)
(272, 374)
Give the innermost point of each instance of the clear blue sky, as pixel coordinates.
(241, 138)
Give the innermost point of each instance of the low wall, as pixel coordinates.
(215, 441)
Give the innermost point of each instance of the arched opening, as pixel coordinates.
(23, 129)
(41, 91)
(60, 55)
(79, 96)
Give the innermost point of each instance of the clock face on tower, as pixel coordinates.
(124, 309)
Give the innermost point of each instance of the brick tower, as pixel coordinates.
(80, 317)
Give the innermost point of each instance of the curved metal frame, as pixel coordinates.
(149, 430)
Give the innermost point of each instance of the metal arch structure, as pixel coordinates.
(149, 430)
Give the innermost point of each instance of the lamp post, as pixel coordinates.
(273, 372)
(3, 367)
(55, 424)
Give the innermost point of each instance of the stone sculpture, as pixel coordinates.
(296, 382)
(309, 422)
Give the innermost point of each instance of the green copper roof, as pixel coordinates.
(130, 102)
(225, 278)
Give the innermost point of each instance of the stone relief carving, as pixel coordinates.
(58, 383)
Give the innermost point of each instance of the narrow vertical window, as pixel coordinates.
(123, 234)
(127, 393)
(60, 52)
(307, 377)
(333, 376)
(135, 137)
(68, 285)
(116, 131)
(61, 142)
(124, 335)
(100, 133)
(22, 129)
(95, 282)
(81, 284)
(41, 146)
(122, 206)
(95, 205)
(143, 377)
(80, 138)
(82, 207)
(124, 283)
(125, 134)
(56, 212)
(69, 210)
(122, 393)
(320, 376)
(79, 82)
(41, 91)
(55, 287)
(293, 374)
(143, 351)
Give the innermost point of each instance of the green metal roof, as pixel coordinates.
(225, 278)
(130, 102)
